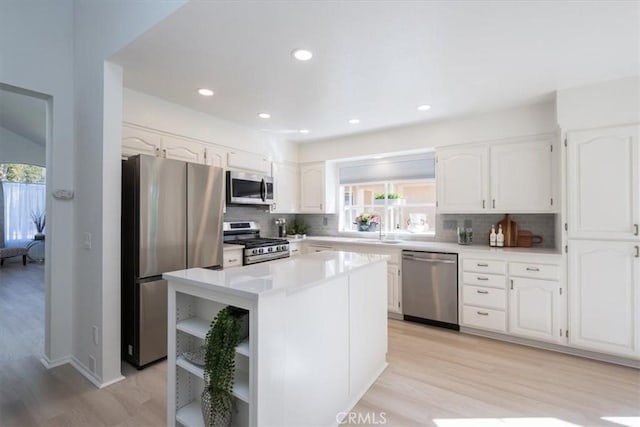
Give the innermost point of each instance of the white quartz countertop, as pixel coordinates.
(284, 275)
(428, 246)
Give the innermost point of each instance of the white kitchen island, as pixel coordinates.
(317, 336)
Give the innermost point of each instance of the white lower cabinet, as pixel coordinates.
(604, 296)
(232, 257)
(393, 289)
(483, 294)
(534, 309)
(295, 249)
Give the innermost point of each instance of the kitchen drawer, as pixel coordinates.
(484, 266)
(484, 297)
(479, 279)
(232, 259)
(484, 318)
(534, 271)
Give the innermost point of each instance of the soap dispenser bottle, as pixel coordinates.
(492, 236)
(500, 237)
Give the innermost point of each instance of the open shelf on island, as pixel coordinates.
(190, 415)
(240, 384)
(194, 326)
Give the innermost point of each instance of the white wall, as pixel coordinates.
(36, 53)
(157, 113)
(602, 104)
(15, 148)
(101, 29)
(514, 122)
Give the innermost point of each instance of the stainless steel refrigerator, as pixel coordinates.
(172, 213)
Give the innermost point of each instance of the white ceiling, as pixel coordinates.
(378, 60)
(23, 115)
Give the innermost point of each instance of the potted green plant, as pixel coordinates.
(297, 228)
(219, 370)
(391, 199)
(39, 220)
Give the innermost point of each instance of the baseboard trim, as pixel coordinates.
(554, 347)
(50, 364)
(94, 379)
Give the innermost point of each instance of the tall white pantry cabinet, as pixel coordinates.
(603, 212)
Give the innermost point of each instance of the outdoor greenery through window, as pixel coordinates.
(22, 196)
(396, 206)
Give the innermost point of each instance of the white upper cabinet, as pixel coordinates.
(499, 177)
(604, 296)
(286, 181)
(216, 156)
(602, 183)
(462, 179)
(183, 149)
(521, 176)
(317, 188)
(139, 141)
(243, 160)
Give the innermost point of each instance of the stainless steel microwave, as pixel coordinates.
(249, 189)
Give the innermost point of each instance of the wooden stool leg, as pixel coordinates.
(24, 260)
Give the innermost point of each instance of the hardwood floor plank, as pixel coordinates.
(433, 375)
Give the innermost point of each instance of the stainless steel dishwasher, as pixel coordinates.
(430, 288)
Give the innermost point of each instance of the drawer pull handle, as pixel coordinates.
(482, 278)
(482, 292)
(233, 260)
(482, 265)
(533, 269)
(482, 313)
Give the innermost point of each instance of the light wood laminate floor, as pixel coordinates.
(433, 374)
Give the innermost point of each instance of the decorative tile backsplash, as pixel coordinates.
(446, 224)
(259, 214)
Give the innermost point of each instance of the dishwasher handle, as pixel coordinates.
(435, 261)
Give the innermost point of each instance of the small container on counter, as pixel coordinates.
(465, 236)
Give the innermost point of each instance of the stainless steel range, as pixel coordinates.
(256, 249)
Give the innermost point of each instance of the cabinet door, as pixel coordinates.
(216, 156)
(393, 289)
(521, 176)
(534, 308)
(253, 162)
(312, 188)
(183, 149)
(286, 182)
(461, 180)
(604, 296)
(139, 141)
(603, 184)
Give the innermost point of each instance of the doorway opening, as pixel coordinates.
(24, 278)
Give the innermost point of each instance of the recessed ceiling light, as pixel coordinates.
(205, 92)
(354, 121)
(264, 115)
(302, 54)
(424, 107)
(305, 131)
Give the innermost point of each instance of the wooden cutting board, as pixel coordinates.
(510, 231)
(526, 239)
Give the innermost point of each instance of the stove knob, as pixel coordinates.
(261, 250)
(270, 250)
